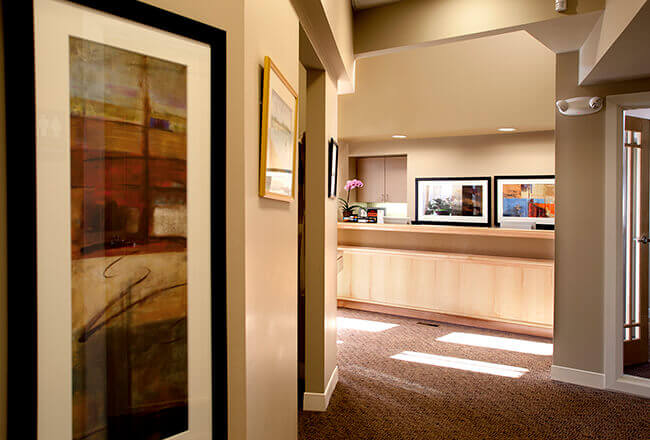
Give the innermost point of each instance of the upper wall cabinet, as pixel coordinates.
(384, 179)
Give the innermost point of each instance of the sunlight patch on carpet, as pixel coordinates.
(363, 325)
(499, 343)
(461, 364)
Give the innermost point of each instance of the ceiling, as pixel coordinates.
(365, 4)
(464, 88)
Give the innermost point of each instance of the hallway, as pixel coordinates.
(414, 395)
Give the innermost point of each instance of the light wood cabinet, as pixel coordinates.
(370, 170)
(503, 289)
(395, 179)
(384, 179)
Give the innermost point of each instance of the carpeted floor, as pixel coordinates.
(380, 398)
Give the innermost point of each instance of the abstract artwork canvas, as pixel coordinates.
(120, 157)
(453, 200)
(525, 199)
(128, 115)
(279, 125)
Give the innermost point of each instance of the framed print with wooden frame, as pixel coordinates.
(116, 237)
(278, 142)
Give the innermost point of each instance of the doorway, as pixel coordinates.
(636, 168)
(627, 243)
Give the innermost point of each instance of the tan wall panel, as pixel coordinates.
(3, 248)
(270, 29)
(580, 165)
(321, 235)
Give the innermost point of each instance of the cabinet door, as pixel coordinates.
(370, 170)
(395, 179)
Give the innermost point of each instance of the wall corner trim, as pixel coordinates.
(320, 401)
(578, 377)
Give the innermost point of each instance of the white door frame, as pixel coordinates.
(613, 245)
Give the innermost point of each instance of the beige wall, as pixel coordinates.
(452, 90)
(580, 162)
(3, 248)
(328, 25)
(321, 235)
(416, 21)
(331, 241)
(271, 28)
(339, 15)
(491, 155)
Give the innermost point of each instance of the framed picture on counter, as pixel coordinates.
(116, 142)
(279, 138)
(455, 201)
(525, 199)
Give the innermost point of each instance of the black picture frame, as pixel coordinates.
(497, 179)
(18, 24)
(332, 181)
(419, 221)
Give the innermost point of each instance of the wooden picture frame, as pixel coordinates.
(455, 210)
(333, 175)
(279, 135)
(541, 222)
(39, 141)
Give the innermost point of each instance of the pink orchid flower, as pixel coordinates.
(351, 184)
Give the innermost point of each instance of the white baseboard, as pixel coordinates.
(578, 377)
(320, 401)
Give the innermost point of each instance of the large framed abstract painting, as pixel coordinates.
(529, 199)
(121, 295)
(279, 138)
(459, 201)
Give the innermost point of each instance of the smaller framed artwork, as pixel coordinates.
(333, 168)
(279, 127)
(525, 199)
(454, 201)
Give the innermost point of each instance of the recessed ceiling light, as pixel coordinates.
(399, 136)
(507, 129)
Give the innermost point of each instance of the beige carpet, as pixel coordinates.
(382, 398)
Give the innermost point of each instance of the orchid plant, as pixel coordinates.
(345, 203)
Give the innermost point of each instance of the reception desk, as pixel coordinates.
(487, 277)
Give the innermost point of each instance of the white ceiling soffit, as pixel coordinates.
(564, 34)
(365, 4)
(627, 57)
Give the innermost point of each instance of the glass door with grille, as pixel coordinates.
(636, 204)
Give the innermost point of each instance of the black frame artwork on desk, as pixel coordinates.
(527, 199)
(333, 178)
(453, 201)
(116, 122)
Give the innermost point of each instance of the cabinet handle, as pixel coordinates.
(385, 197)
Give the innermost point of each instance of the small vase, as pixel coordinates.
(348, 215)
